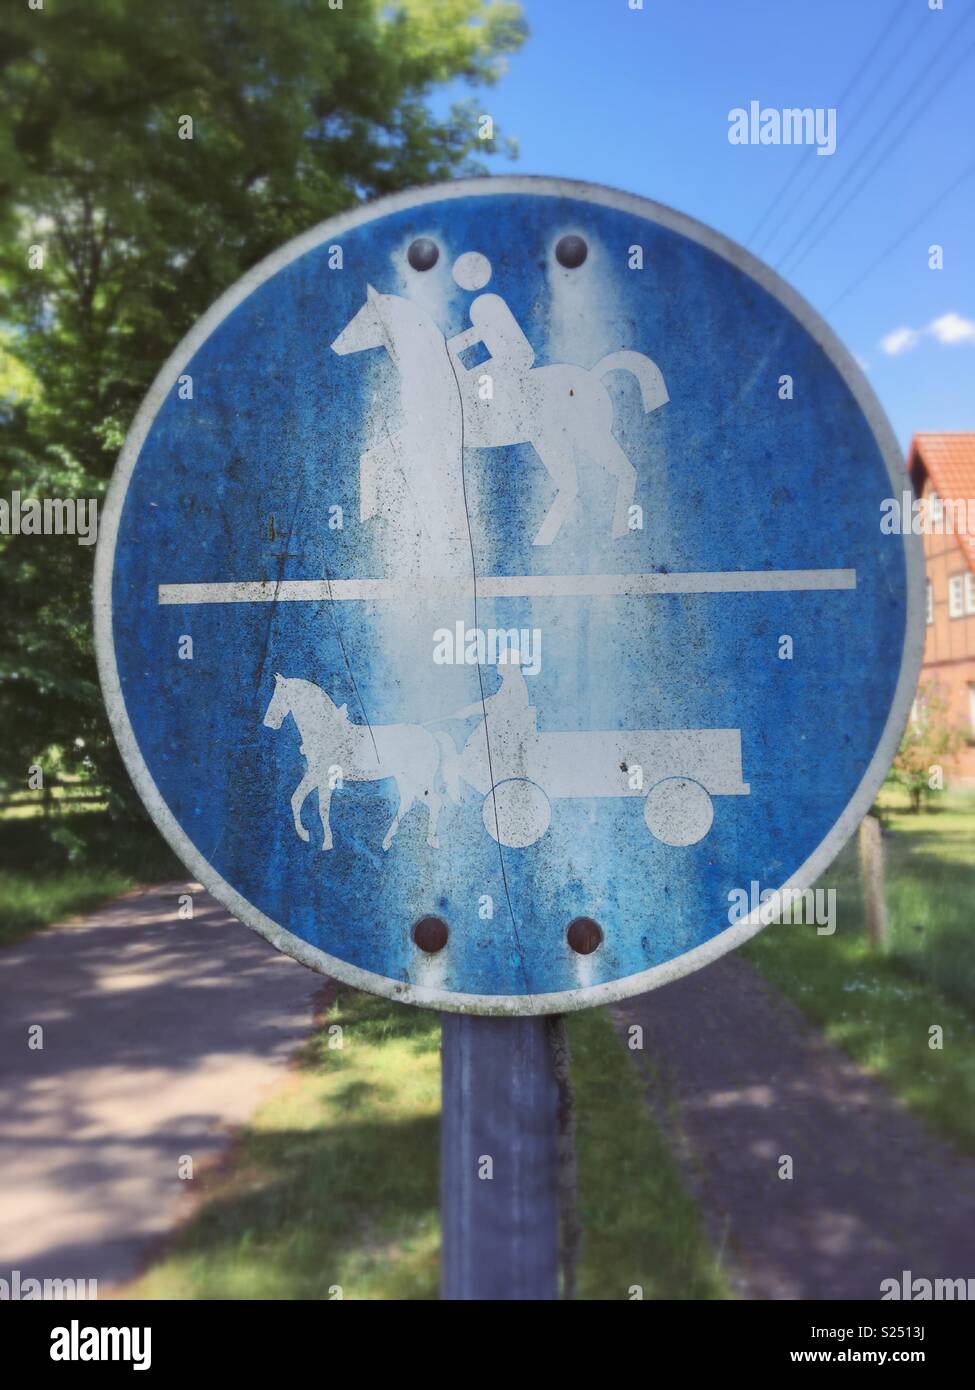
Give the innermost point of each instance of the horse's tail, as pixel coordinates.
(449, 765)
(652, 389)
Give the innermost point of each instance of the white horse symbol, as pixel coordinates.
(563, 411)
(332, 744)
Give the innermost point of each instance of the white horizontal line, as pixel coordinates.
(508, 586)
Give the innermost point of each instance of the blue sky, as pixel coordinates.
(639, 99)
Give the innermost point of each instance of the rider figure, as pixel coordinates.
(509, 721)
(496, 393)
(494, 325)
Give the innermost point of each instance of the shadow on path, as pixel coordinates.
(739, 1078)
(160, 1035)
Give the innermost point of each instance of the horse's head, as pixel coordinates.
(310, 706)
(280, 705)
(366, 329)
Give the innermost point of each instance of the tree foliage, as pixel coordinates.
(930, 740)
(299, 110)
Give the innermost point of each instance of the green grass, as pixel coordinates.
(640, 1224)
(334, 1182)
(878, 1005)
(53, 868)
(931, 891)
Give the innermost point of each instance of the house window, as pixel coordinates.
(956, 596)
(937, 511)
(930, 604)
(970, 592)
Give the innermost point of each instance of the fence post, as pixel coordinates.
(872, 874)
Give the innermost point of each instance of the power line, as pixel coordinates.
(818, 165)
(932, 207)
(800, 165)
(869, 147)
(858, 73)
(850, 173)
(882, 158)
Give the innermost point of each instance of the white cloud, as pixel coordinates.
(901, 340)
(949, 330)
(952, 328)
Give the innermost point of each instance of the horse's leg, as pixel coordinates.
(298, 800)
(324, 805)
(434, 804)
(613, 459)
(405, 802)
(561, 466)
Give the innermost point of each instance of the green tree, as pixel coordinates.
(929, 741)
(299, 108)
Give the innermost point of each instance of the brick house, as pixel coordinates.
(942, 467)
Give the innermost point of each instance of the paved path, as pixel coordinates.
(160, 1035)
(743, 1079)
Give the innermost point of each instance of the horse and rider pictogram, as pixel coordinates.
(563, 411)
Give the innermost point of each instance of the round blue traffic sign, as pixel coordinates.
(499, 555)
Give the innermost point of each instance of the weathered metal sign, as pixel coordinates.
(499, 555)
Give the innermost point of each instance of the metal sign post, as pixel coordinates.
(507, 555)
(499, 1180)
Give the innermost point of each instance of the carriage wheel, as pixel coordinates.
(678, 811)
(516, 813)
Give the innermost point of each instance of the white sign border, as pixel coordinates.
(565, 1000)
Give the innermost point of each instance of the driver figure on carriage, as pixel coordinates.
(508, 725)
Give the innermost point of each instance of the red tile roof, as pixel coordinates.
(949, 461)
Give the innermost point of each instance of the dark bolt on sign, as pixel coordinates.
(492, 593)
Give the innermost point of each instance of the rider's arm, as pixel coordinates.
(468, 710)
(462, 341)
